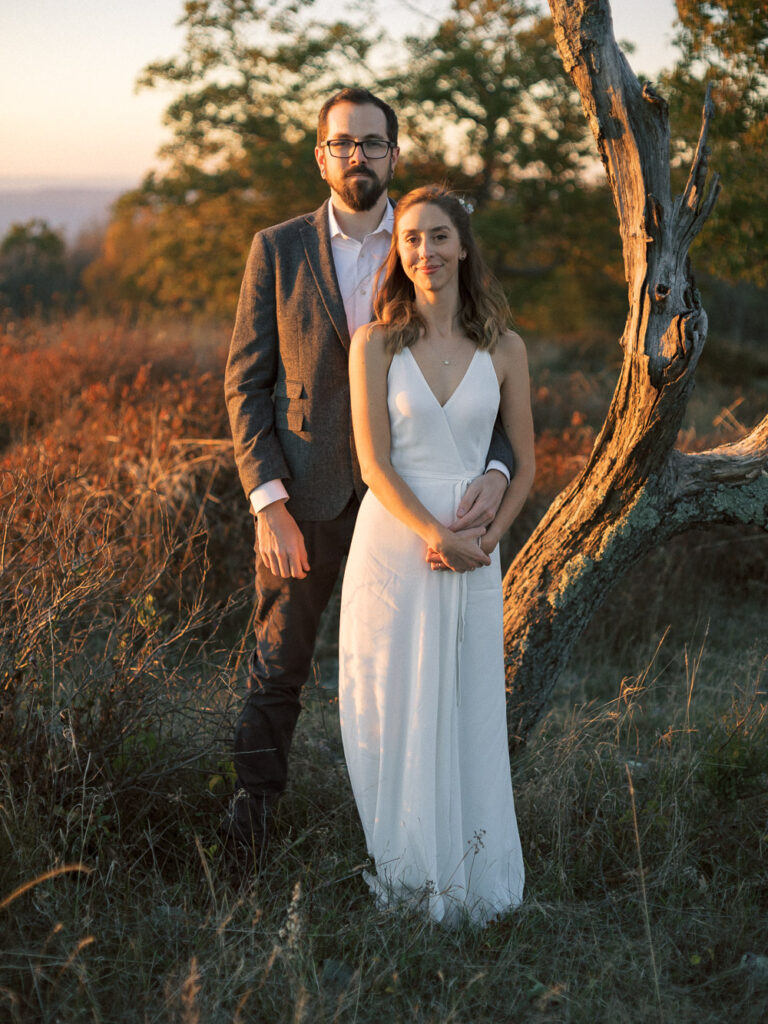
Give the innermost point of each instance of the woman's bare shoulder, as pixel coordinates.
(510, 352)
(369, 344)
(511, 344)
(370, 336)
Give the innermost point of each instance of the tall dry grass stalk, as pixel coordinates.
(644, 895)
(46, 875)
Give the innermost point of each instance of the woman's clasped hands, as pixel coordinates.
(458, 550)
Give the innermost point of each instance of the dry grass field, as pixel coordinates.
(125, 596)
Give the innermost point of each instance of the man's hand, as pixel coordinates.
(478, 507)
(481, 501)
(281, 542)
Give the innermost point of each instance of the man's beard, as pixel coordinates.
(362, 190)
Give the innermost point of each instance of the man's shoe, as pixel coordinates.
(244, 831)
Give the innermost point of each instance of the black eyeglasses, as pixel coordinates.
(372, 149)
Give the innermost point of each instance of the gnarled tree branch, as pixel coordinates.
(729, 465)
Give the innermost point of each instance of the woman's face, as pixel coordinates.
(429, 247)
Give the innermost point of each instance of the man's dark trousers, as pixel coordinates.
(286, 623)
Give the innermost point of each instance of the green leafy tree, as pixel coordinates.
(248, 78)
(737, 30)
(488, 93)
(724, 44)
(33, 267)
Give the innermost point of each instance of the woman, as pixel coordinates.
(421, 680)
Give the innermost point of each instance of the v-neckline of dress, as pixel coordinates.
(443, 405)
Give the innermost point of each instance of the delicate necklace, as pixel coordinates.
(445, 362)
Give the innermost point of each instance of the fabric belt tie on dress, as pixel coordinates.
(460, 632)
(458, 492)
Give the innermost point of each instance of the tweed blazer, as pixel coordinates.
(286, 381)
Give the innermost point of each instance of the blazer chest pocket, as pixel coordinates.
(291, 405)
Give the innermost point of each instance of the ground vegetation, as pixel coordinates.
(125, 593)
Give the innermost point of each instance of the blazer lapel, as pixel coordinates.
(316, 238)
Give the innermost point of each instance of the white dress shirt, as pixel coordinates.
(356, 264)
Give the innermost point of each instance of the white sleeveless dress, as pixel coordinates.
(421, 673)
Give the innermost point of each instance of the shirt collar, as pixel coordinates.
(386, 223)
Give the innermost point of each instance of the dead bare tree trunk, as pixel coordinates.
(636, 490)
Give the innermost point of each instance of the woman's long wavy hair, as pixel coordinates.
(483, 310)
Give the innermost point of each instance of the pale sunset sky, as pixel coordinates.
(70, 114)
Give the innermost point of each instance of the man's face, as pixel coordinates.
(357, 181)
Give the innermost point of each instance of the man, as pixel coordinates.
(308, 285)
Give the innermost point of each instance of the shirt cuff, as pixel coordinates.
(272, 490)
(495, 464)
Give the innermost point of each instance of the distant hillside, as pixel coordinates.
(68, 209)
